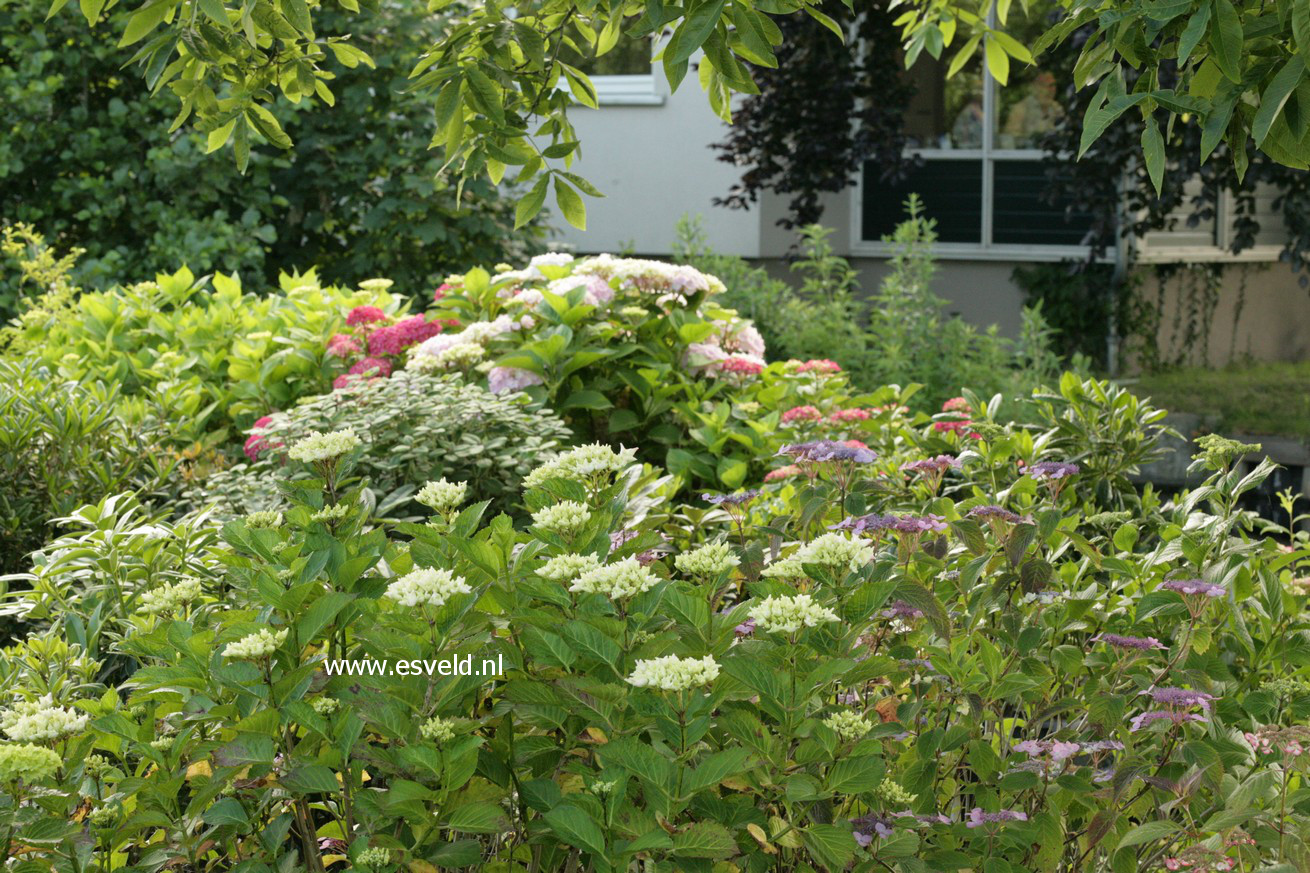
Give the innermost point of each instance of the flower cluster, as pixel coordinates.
(1177, 701)
(27, 762)
(707, 561)
(671, 673)
(788, 615)
(589, 464)
(395, 338)
(822, 451)
(169, 598)
(40, 721)
(801, 414)
(1195, 588)
(255, 443)
(441, 495)
(817, 365)
(319, 447)
(566, 568)
(846, 416)
(427, 586)
(978, 818)
(504, 380)
(252, 647)
(617, 581)
(565, 518)
(1139, 644)
(835, 550)
(848, 724)
(439, 730)
(364, 315)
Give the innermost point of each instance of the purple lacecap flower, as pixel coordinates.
(819, 451)
(918, 524)
(738, 499)
(870, 825)
(1045, 470)
(1192, 587)
(865, 523)
(1119, 641)
(901, 609)
(932, 818)
(1180, 697)
(848, 698)
(1103, 746)
(1058, 750)
(991, 511)
(745, 629)
(504, 379)
(939, 464)
(978, 818)
(1172, 715)
(921, 663)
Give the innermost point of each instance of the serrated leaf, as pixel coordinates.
(570, 204)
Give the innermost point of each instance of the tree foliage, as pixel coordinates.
(87, 156)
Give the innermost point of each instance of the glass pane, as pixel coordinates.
(951, 191)
(945, 113)
(629, 57)
(1028, 107)
(1022, 216)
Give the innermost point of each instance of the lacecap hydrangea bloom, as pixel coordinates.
(582, 464)
(835, 550)
(789, 614)
(27, 762)
(260, 644)
(324, 446)
(672, 673)
(501, 380)
(617, 581)
(169, 598)
(708, 560)
(564, 518)
(40, 721)
(426, 586)
(442, 495)
(848, 724)
(566, 568)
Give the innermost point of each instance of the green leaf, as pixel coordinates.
(531, 204)
(695, 29)
(476, 818)
(142, 22)
(91, 9)
(831, 846)
(311, 779)
(1301, 25)
(570, 204)
(1275, 97)
(484, 94)
(1226, 40)
(297, 12)
(1192, 34)
(998, 62)
(1149, 832)
(855, 775)
(268, 126)
(1153, 153)
(704, 840)
(586, 399)
(576, 828)
(714, 770)
(227, 811)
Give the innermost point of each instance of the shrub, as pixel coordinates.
(62, 444)
(415, 427)
(845, 672)
(198, 357)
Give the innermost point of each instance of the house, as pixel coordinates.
(649, 152)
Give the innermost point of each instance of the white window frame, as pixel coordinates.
(628, 90)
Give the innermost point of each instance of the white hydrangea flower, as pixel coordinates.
(893, 794)
(329, 514)
(439, 730)
(373, 857)
(27, 762)
(420, 362)
(442, 495)
(553, 259)
(483, 332)
(617, 581)
(564, 518)
(461, 355)
(848, 724)
(325, 705)
(836, 550)
(376, 284)
(427, 586)
(789, 614)
(324, 446)
(672, 673)
(169, 598)
(784, 568)
(40, 721)
(583, 464)
(260, 644)
(708, 560)
(566, 568)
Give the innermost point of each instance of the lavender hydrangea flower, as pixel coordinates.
(978, 818)
(991, 511)
(745, 629)
(872, 523)
(870, 825)
(1180, 697)
(820, 451)
(1047, 470)
(917, 525)
(1119, 641)
(739, 499)
(902, 610)
(1146, 718)
(931, 818)
(1195, 587)
(939, 464)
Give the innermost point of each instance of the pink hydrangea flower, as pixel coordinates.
(783, 473)
(801, 413)
(742, 365)
(842, 416)
(957, 404)
(819, 365)
(365, 315)
(440, 292)
(255, 443)
(394, 339)
(380, 366)
(343, 345)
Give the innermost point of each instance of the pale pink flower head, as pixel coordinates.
(255, 443)
(842, 416)
(801, 413)
(957, 404)
(742, 366)
(818, 365)
(502, 380)
(377, 366)
(343, 345)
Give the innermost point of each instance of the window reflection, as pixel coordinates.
(945, 113)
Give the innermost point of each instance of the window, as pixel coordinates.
(981, 175)
(621, 76)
